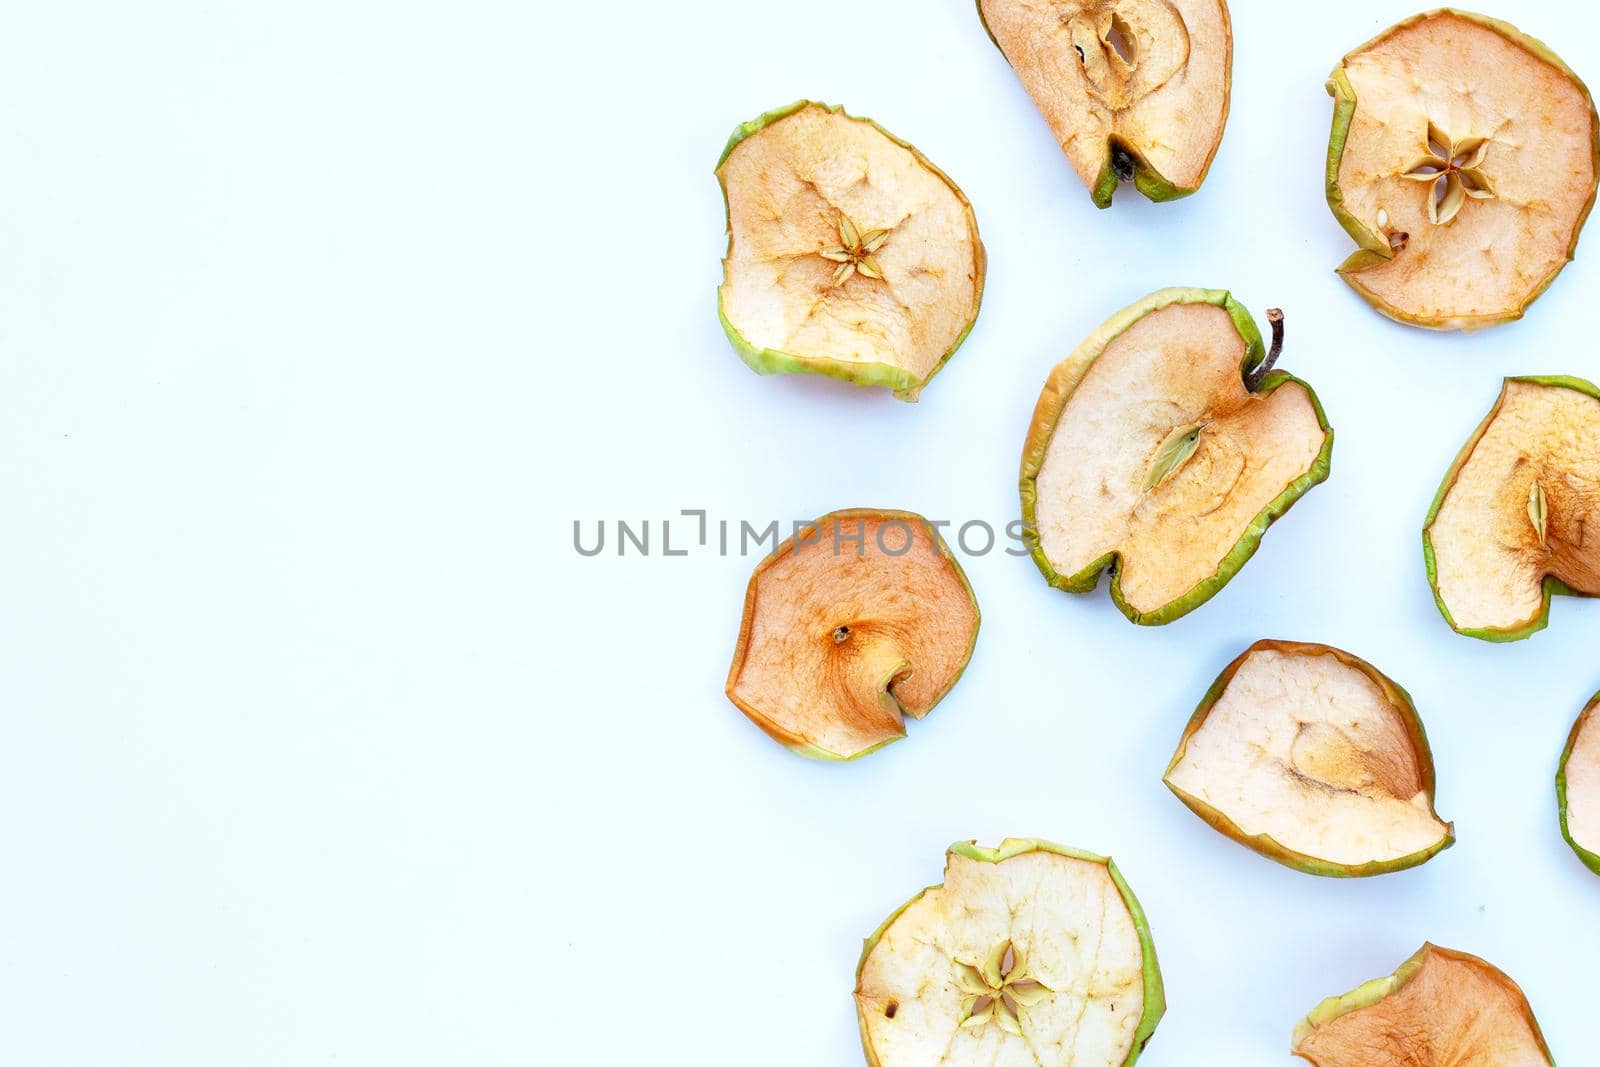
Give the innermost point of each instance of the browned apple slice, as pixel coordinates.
(1578, 787)
(862, 618)
(1029, 955)
(1163, 447)
(849, 254)
(1463, 162)
(1134, 90)
(1517, 518)
(1314, 758)
(1440, 1009)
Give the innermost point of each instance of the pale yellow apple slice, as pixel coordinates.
(1163, 447)
(1314, 758)
(1517, 518)
(1463, 162)
(1029, 955)
(1578, 787)
(862, 618)
(849, 254)
(1134, 90)
(1440, 1009)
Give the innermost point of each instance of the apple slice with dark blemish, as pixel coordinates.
(1029, 955)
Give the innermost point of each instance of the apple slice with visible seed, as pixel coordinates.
(862, 618)
(1029, 954)
(1578, 787)
(1314, 758)
(1517, 518)
(1134, 90)
(1440, 1009)
(1463, 160)
(1164, 447)
(849, 254)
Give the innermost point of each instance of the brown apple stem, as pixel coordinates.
(1253, 380)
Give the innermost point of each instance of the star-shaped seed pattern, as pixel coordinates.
(998, 990)
(854, 251)
(1451, 169)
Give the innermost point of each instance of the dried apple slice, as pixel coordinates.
(1314, 758)
(1517, 518)
(1463, 161)
(1440, 1009)
(1578, 787)
(849, 254)
(1134, 90)
(1029, 953)
(860, 619)
(1164, 447)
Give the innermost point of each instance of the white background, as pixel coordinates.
(320, 323)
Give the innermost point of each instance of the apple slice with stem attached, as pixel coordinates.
(1440, 1009)
(1030, 953)
(1163, 448)
(849, 254)
(1463, 161)
(1517, 518)
(1134, 90)
(1314, 758)
(1578, 787)
(860, 619)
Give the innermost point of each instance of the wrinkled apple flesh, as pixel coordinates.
(1314, 758)
(1440, 1009)
(1520, 508)
(1148, 453)
(1466, 169)
(860, 620)
(849, 254)
(1133, 89)
(1026, 954)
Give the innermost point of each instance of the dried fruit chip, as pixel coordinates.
(1518, 516)
(1578, 787)
(1315, 759)
(849, 254)
(1135, 90)
(1463, 161)
(1440, 1009)
(1164, 446)
(1028, 954)
(862, 618)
